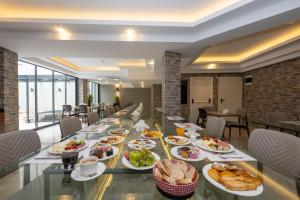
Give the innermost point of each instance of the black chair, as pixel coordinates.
(241, 124)
(202, 114)
(67, 111)
(82, 112)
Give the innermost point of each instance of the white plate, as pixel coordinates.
(151, 138)
(188, 126)
(130, 166)
(121, 139)
(50, 150)
(75, 175)
(199, 144)
(116, 151)
(179, 137)
(187, 134)
(174, 153)
(248, 193)
(124, 133)
(139, 146)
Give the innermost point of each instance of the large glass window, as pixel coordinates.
(94, 91)
(42, 92)
(45, 114)
(26, 95)
(71, 90)
(59, 94)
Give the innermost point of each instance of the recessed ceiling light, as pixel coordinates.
(151, 62)
(142, 82)
(63, 34)
(106, 82)
(99, 79)
(211, 66)
(116, 79)
(130, 34)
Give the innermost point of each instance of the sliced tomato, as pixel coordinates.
(126, 154)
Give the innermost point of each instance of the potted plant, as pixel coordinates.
(90, 100)
(117, 100)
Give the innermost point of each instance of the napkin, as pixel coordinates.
(225, 111)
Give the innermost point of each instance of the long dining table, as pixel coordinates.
(45, 179)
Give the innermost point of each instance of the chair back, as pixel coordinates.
(67, 108)
(14, 146)
(215, 126)
(92, 118)
(276, 116)
(280, 150)
(108, 112)
(83, 108)
(69, 126)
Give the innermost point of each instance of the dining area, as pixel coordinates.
(108, 159)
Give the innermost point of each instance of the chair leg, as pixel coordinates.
(239, 131)
(229, 133)
(298, 186)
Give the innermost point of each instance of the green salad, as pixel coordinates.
(141, 158)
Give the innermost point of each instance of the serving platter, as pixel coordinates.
(139, 143)
(60, 148)
(184, 140)
(204, 147)
(116, 151)
(120, 139)
(174, 152)
(130, 166)
(247, 193)
(125, 132)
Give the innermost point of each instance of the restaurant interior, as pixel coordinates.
(138, 100)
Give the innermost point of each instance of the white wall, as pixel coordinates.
(108, 94)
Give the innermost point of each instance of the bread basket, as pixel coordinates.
(176, 190)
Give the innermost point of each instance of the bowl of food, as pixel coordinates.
(175, 177)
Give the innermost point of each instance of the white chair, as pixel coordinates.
(215, 126)
(92, 118)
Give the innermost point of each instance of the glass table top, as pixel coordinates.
(48, 181)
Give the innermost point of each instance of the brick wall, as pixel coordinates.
(185, 108)
(9, 89)
(274, 88)
(82, 90)
(156, 95)
(171, 83)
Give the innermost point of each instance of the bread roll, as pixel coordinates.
(157, 173)
(213, 173)
(218, 166)
(168, 179)
(183, 181)
(162, 168)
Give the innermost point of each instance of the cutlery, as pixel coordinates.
(230, 156)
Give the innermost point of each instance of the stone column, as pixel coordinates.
(156, 96)
(82, 90)
(9, 105)
(171, 83)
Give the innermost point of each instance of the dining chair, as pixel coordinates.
(215, 126)
(108, 112)
(69, 126)
(241, 124)
(279, 150)
(67, 111)
(276, 116)
(14, 146)
(202, 117)
(92, 118)
(82, 112)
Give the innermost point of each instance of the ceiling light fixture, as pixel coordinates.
(63, 34)
(130, 34)
(212, 66)
(151, 62)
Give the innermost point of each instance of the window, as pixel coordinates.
(94, 91)
(42, 92)
(26, 80)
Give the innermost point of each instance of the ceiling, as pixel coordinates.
(126, 39)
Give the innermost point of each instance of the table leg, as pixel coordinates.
(26, 174)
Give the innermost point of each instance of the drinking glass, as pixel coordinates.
(180, 131)
(69, 159)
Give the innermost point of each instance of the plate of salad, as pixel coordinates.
(140, 159)
(79, 145)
